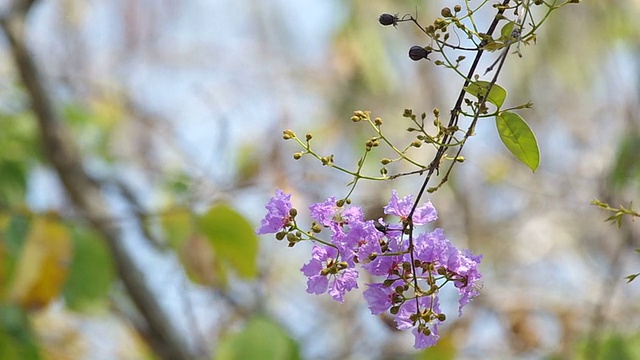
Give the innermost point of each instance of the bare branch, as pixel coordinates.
(59, 148)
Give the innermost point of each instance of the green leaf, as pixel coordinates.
(12, 239)
(479, 89)
(445, 350)
(232, 238)
(507, 29)
(16, 337)
(627, 167)
(261, 338)
(493, 46)
(632, 277)
(13, 182)
(92, 272)
(177, 226)
(518, 138)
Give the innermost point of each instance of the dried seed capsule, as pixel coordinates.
(418, 53)
(388, 19)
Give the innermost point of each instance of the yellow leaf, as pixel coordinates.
(43, 264)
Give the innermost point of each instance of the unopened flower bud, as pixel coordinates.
(446, 12)
(457, 8)
(355, 118)
(293, 212)
(385, 161)
(441, 317)
(416, 143)
(378, 121)
(288, 134)
(360, 114)
(280, 235)
(297, 156)
(388, 19)
(340, 203)
(460, 159)
(316, 228)
(309, 136)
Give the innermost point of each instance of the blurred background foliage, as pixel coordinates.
(177, 109)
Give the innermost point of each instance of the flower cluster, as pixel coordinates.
(411, 266)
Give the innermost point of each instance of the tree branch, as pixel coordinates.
(60, 149)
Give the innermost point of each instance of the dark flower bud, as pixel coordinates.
(388, 19)
(417, 53)
(446, 12)
(457, 8)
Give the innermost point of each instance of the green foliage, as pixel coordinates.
(177, 226)
(610, 346)
(12, 238)
(18, 152)
(92, 272)
(261, 338)
(518, 138)
(627, 164)
(496, 96)
(16, 338)
(232, 238)
(446, 349)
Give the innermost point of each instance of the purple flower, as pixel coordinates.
(467, 268)
(329, 215)
(362, 239)
(433, 247)
(318, 283)
(402, 208)
(403, 320)
(378, 297)
(324, 212)
(385, 265)
(277, 217)
(424, 341)
(345, 280)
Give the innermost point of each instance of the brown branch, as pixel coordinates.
(60, 149)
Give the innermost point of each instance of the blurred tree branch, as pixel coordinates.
(60, 149)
